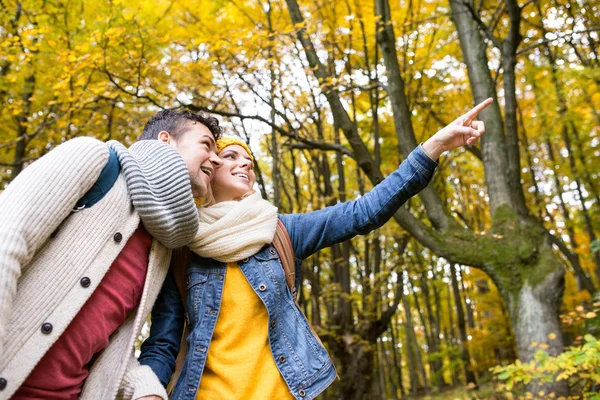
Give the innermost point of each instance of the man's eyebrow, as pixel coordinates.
(210, 138)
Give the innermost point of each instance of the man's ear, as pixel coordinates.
(165, 137)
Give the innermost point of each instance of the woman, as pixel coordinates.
(248, 338)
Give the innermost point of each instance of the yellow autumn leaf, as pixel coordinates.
(128, 14)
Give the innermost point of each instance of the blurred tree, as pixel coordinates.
(331, 100)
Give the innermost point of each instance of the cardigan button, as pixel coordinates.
(245, 260)
(85, 282)
(262, 287)
(273, 324)
(271, 251)
(281, 359)
(46, 328)
(3, 383)
(302, 393)
(118, 237)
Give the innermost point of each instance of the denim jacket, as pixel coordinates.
(298, 353)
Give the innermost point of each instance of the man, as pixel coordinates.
(77, 285)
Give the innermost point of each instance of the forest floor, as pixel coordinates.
(485, 391)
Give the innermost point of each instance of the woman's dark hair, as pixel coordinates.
(177, 123)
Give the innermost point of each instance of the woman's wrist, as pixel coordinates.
(433, 148)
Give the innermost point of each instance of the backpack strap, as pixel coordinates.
(179, 265)
(283, 245)
(180, 260)
(106, 180)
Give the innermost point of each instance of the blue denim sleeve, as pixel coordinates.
(316, 230)
(160, 350)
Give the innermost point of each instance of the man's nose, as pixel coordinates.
(215, 160)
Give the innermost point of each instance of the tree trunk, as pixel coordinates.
(511, 249)
(533, 301)
(357, 365)
(382, 370)
(493, 144)
(413, 345)
(468, 304)
(462, 329)
(410, 357)
(397, 354)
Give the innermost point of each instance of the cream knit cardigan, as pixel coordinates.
(40, 276)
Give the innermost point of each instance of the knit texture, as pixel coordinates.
(40, 274)
(226, 141)
(159, 185)
(233, 230)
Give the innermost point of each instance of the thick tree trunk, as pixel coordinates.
(356, 365)
(533, 301)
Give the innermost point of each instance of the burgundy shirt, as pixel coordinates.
(61, 372)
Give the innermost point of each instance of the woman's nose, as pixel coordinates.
(245, 163)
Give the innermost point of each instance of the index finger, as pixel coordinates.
(477, 109)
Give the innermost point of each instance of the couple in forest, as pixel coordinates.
(87, 234)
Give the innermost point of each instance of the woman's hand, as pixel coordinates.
(462, 131)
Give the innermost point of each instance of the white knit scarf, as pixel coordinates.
(233, 230)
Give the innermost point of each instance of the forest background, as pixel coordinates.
(483, 286)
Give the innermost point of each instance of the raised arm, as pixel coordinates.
(315, 230)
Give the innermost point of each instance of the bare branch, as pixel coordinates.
(483, 26)
(309, 145)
